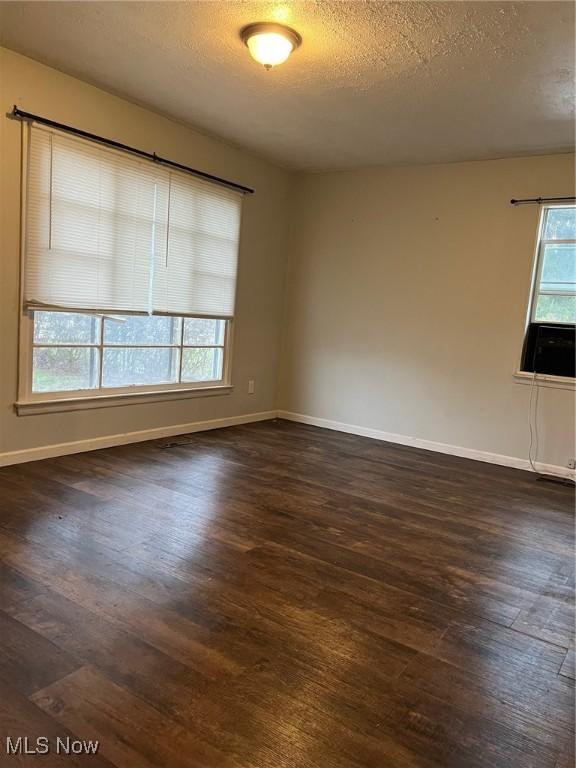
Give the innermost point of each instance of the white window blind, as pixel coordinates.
(108, 232)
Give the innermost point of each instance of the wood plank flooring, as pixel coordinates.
(276, 595)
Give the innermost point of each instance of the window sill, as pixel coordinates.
(58, 405)
(545, 380)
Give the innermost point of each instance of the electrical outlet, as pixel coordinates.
(572, 464)
(250, 386)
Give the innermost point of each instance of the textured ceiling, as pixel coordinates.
(373, 83)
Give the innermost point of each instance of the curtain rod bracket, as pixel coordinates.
(16, 114)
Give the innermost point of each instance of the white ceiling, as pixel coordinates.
(373, 82)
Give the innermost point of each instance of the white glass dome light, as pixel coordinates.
(269, 43)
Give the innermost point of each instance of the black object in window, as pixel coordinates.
(550, 348)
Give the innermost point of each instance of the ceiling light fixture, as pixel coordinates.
(270, 43)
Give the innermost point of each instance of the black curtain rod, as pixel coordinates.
(540, 200)
(18, 114)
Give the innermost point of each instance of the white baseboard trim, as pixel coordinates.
(429, 445)
(109, 441)
(124, 438)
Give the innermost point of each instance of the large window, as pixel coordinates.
(554, 299)
(74, 352)
(129, 273)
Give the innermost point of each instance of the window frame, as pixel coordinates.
(27, 397)
(527, 377)
(29, 402)
(539, 264)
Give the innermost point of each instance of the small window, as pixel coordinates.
(549, 342)
(75, 352)
(555, 288)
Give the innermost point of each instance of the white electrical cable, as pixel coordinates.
(533, 431)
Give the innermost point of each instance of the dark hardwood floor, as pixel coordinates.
(276, 595)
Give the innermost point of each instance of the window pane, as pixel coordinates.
(136, 367)
(203, 331)
(560, 224)
(64, 368)
(201, 364)
(130, 329)
(556, 309)
(559, 268)
(65, 328)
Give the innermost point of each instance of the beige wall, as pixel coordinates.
(407, 296)
(36, 88)
(405, 302)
